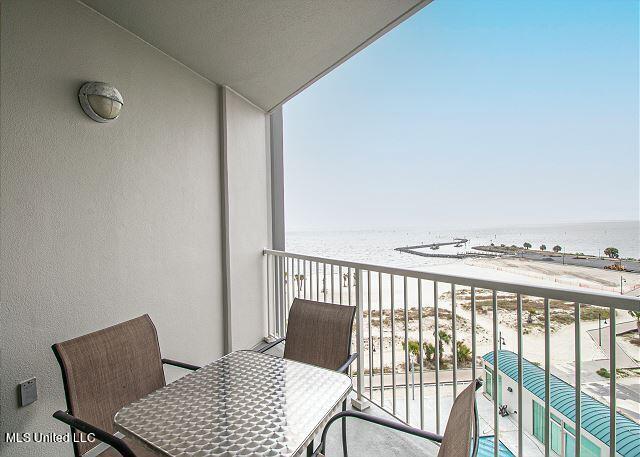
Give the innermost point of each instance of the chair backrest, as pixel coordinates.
(461, 434)
(108, 369)
(319, 333)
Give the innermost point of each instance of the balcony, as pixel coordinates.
(166, 210)
(485, 327)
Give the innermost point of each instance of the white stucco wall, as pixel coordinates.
(102, 223)
(248, 217)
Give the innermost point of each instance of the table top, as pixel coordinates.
(244, 403)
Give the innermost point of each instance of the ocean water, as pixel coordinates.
(377, 246)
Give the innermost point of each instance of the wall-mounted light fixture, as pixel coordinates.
(100, 101)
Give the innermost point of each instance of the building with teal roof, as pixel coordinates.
(595, 436)
(485, 448)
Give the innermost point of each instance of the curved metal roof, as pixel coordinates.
(485, 448)
(595, 415)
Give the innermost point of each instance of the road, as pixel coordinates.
(632, 266)
(623, 360)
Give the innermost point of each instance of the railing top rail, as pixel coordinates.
(554, 293)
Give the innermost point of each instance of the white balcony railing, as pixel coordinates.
(387, 294)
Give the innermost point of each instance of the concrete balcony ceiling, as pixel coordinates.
(265, 50)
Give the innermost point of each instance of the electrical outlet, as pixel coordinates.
(28, 392)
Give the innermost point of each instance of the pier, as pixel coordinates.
(434, 246)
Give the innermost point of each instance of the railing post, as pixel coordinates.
(370, 342)
(270, 318)
(473, 332)
(407, 400)
(276, 295)
(454, 341)
(520, 419)
(381, 340)
(496, 368)
(578, 375)
(612, 381)
(283, 301)
(421, 352)
(359, 402)
(547, 378)
(436, 340)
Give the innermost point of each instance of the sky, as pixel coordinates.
(474, 114)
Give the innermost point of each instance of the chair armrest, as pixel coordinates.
(376, 420)
(106, 437)
(345, 366)
(175, 363)
(270, 345)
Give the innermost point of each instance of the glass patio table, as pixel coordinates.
(244, 403)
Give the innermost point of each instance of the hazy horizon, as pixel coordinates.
(473, 114)
(458, 228)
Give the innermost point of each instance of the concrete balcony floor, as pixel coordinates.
(366, 439)
(508, 426)
(372, 440)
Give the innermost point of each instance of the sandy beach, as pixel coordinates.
(535, 272)
(594, 356)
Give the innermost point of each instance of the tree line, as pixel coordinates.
(610, 252)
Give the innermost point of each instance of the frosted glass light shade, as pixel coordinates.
(104, 107)
(100, 101)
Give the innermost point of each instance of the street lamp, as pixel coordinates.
(600, 329)
(501, 341)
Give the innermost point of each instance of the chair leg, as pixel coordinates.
(344, 431)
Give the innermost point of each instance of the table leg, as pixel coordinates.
(344, 431)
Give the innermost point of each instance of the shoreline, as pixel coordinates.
(571, 275)
(619, 265)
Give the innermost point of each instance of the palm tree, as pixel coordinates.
(429, 351)
(527, 245)
(444, 338)
(414, 348)
(543, 247)
(464, 352)
(557, 248)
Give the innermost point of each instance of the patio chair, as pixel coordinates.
(461, 436)
(104, 371)
(320, 334)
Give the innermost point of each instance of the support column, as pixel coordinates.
(277, 180)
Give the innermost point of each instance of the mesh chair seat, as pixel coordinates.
(461, 436)
(108, 369)
(319, 333)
